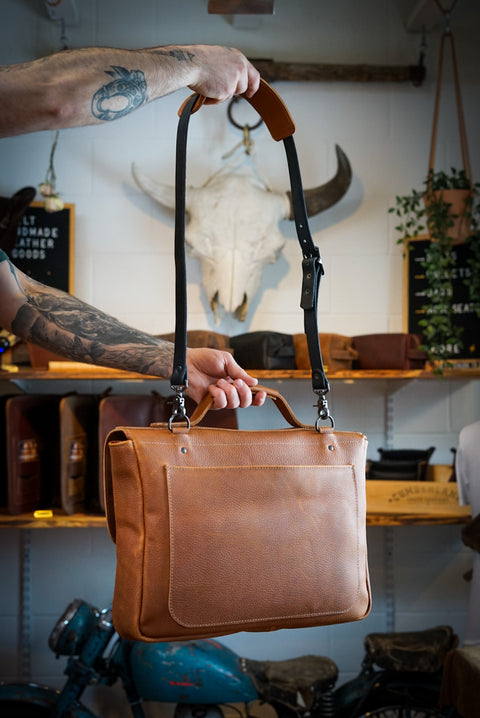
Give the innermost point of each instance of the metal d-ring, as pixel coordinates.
(323, 410)
(249, 128)
(179, 412)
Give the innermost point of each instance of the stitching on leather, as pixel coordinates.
(142, 591)
(263, 620)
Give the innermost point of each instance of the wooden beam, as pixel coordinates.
(240, 7)
(272, 70)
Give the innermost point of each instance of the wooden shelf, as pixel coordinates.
(389, 503)
(93, 372)
(78, 521)
(57, 520)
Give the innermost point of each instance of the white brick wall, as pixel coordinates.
(124, 265)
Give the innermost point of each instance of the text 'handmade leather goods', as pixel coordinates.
(220, 530)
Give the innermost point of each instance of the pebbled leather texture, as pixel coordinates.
(222, 530)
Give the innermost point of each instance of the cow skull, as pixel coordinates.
(233, 228)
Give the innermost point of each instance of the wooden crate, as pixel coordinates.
(415, 501)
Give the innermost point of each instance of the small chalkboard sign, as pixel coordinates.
(416, 297)
(44, 248)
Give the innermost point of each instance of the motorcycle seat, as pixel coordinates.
(295, 681)
(423, 651)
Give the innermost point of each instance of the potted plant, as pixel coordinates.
(447, 210)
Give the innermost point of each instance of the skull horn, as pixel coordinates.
(318, 199)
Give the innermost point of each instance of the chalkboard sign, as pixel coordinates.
(44, 248)
(416, 298)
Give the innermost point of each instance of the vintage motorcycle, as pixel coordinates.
(202, 677)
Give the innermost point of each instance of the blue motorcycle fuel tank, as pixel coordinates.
(201, 671)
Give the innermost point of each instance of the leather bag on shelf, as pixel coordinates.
(79, 453)
(337, 352)
(400, 464)
(264, 350)
(202, 338)
(226, 530)
(397, 350)
(3, 451)
(32, 428)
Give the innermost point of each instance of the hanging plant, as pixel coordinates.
(447, 210)
(428, 211)
(448, 202)
(52, 201)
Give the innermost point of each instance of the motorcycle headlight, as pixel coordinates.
(71, 630)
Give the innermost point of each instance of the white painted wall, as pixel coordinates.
(124, 265)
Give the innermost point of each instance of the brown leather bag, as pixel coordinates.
(79, 453)
(389, 351)
(225, 530)
(337, 352)
(202, 338)
(32, 428)
(221, 530)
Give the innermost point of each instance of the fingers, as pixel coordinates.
(233, 370)
(223, 73)
(218, 373)
(253, 82)
(234, 394)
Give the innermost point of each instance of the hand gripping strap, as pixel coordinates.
(269, 105)
(277, 118)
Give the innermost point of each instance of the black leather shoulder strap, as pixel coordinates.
(311, 264)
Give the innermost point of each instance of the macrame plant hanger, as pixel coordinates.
(447, 36)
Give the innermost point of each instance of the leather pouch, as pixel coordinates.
(202, 338)
(398, 351)
(264, 350)
(337, 352)
(32, 423)
(40, 357)
(400, 464)
(3, 451)
(79, 454)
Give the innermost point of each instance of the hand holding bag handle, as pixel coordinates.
(280, 402)
(273, 111)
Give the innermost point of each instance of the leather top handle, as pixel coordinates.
(280, 402)
(269, 105)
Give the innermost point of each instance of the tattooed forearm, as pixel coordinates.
(69, 327)
(126, 92)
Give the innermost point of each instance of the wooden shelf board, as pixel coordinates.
(379, 513)
(58, 520)
(111, 374)
(78, 521)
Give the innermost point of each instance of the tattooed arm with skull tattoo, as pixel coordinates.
(96, 85)
(65, 325)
